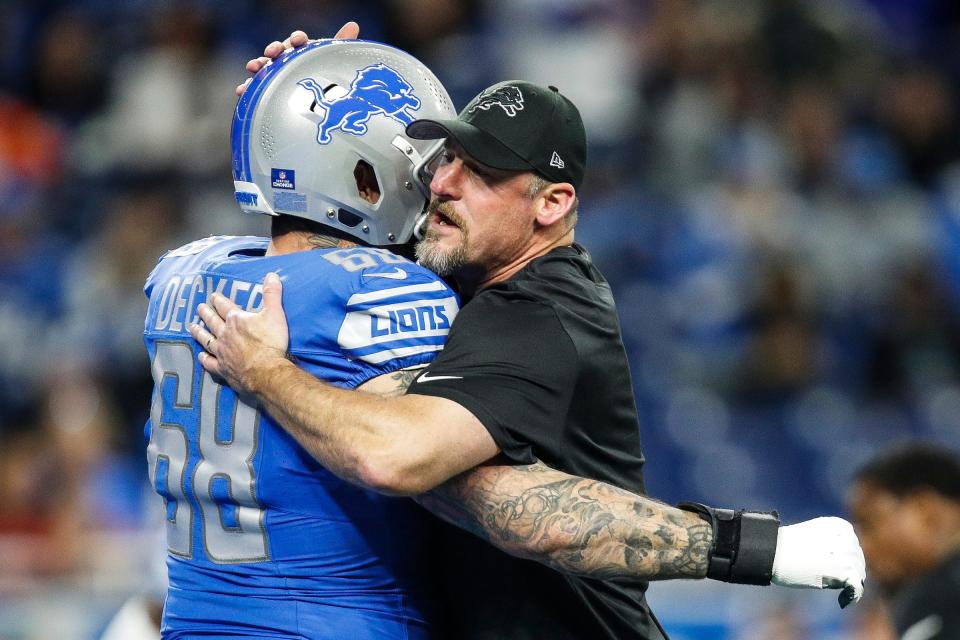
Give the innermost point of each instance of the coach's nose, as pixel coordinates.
(447, 179)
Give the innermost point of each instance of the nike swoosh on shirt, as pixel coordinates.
(425, 377)
(925, 629)
(396, 274)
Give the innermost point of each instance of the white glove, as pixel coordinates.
(823, 553)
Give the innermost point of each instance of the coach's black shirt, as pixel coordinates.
(539, 360)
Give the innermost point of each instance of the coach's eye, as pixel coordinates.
(480, 173)
(444, 157)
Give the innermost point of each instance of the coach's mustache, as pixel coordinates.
(444, 209)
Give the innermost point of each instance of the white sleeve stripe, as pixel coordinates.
(354, 341)
(386, 345)
(360, 298)
(383, 356)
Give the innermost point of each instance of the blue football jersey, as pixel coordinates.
(263, 541)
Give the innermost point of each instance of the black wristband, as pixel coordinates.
(744, 543)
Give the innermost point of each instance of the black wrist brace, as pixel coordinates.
(744, 543)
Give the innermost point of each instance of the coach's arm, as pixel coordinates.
(573, 524)
(409, 444)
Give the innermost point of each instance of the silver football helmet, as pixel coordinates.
(321, 123)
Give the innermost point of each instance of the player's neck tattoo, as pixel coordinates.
(318, 241)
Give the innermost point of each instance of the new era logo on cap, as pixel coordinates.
(556, 161)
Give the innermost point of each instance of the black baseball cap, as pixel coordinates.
(518, 126)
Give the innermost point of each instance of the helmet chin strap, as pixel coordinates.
(420, 225)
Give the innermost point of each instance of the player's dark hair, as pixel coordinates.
(914, 467)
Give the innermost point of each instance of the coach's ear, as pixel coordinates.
(554, 202)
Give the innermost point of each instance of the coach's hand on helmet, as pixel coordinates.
(823, 553)
(298, 38)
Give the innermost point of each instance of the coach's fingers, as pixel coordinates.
(273, 49)
(203, 337)
(223, 307)
(214, 323)
(296, 39)
(272, 293)
(210, 364)
(242, 87)
(349, 31)
(256, 64)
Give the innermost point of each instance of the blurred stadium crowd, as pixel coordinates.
(774, 195)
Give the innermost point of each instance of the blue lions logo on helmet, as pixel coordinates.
(377, 90)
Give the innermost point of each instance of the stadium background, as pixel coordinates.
(774, 195)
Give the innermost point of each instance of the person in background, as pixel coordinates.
(906, 509)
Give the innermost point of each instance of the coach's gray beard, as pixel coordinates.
(442, 262)
(430, 255)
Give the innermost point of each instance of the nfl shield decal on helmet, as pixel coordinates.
(283, 178)
(376, 90)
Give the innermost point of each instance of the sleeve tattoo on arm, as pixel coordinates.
(572, 524)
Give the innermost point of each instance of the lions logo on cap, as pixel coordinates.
(507, 98)
(377, 90)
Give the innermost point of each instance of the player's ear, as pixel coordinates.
(554, 202)
(367, 186)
